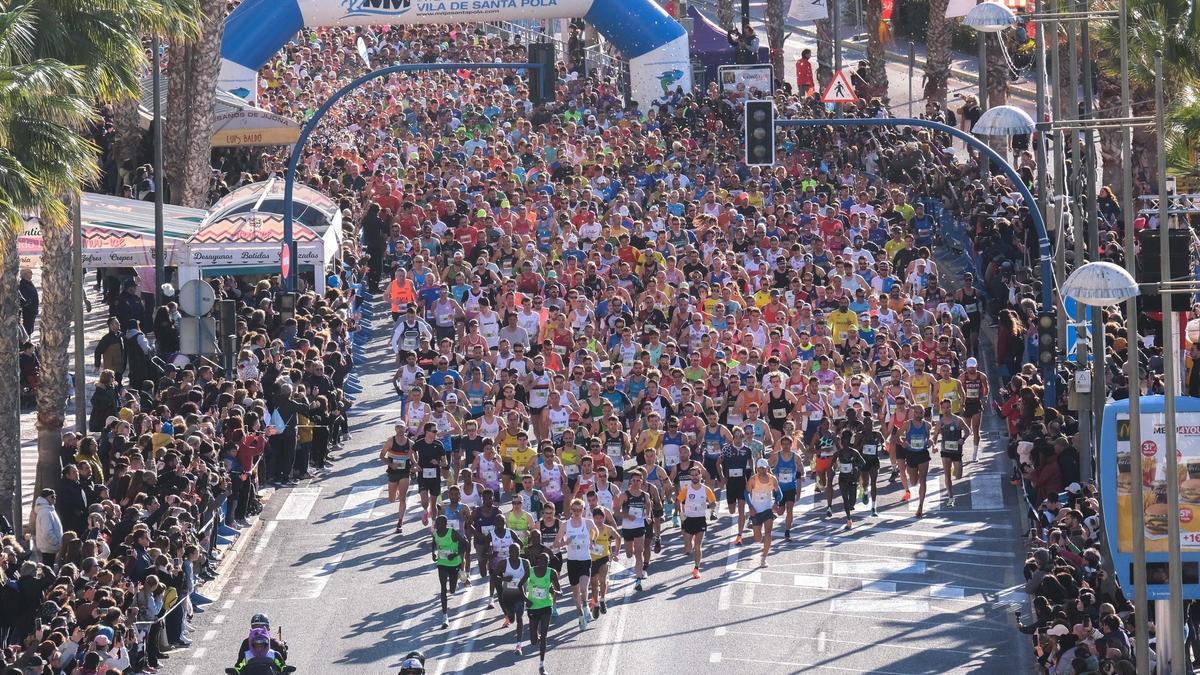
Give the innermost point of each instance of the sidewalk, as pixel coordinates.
(962, 66)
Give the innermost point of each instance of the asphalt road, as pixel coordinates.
(896, 594)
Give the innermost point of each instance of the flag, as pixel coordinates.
(809, 10)
(957, 8)
(532, 175)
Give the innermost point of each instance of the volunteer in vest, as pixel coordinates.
(401, 293)
(446, 546)
(763, 496)
(950, 433)
(397, 457)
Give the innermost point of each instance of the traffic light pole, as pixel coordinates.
(289, 184)
(1044, 257)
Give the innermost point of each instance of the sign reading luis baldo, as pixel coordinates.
(395, 8)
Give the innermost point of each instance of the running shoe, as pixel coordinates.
(517, 649)
(581, 624)
(603, 607)
(491, 605)
(542, 669)
(787, 536)
(445, 623)
(862, 495)
(712, 515)
(675, 520)
(738, 541)
(907, 496)
(637, 585)
(828, 512)
(424, 519)
(658, 544)
(507, 623)
(586, 619)
(950, 500)
(874, 511)
(695, 572)
(595, 611)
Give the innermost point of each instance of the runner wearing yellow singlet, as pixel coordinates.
(601, 551)
(949, 389)
(921, 385)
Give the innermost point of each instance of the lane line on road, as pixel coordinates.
(987, 491)
(619, 632)
(218, 619)
(448, 638)
(361, 502)
(209, 636)
(265, 539)
(199, 652)
(822, 640)
(731, 565)
(299, 503)
(930, 622)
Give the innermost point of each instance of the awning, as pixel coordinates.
(253, 239)
(236, 122)
(118, 233)
(309, 206)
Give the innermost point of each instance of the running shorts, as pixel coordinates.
(695, 525)
(597, 564)
(789, 496)
(822, 464)
(952, 455)
(577, 569)
(735, 489)
(916, 457)
(512, 603)
(971, 407)
(431, 485)
(540, 614)
(397, 475)
(762, 517)
(632, 533)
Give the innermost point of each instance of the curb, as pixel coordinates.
(233, 552)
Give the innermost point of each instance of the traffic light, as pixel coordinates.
(542, 84)
(1047, 339)
(760, 133)
(1149, 267)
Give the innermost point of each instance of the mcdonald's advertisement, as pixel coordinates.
(1154, 477)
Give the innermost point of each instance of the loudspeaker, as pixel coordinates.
(1149, 267)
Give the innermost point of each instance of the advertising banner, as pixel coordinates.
(1155, 479)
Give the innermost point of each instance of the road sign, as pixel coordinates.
(839, 90)
(285, 260)
(196, 298)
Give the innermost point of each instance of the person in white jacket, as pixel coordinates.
(48, 532)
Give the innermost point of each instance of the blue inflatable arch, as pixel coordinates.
(655, 44)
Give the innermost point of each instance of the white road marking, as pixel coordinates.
(877, 568)
(744, 576)
(811, 580)
(219, 619)
(319, 576)
(299, 503)
(361, 502)
(896, 606)
(821, 642)
(237, 590)
(227, 604)
(823, 638)
(720, 631)
(714, 657)
(946, 592)
(986, 491)
(820, 666)
(731, 563)
(915, 623)
(619, 632)
(879, 586)
(209, 636)
(448, 648)
(190, 670)
(268, 530)
(199, 652)
(748, 594)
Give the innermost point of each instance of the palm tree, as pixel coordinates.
(876, 57)
(725, 14)
(45, 108)
(825, 48)
(937, 43)
(103, 40)
(997, 71)
(1172, 26)
(191, 88)
(775, 35)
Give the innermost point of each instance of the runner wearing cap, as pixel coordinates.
(764, 498)
(975, 392)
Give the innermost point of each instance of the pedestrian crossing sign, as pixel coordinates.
(839, 90)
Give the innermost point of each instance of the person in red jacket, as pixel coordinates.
(804, 73)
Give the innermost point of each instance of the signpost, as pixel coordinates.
(839, 90)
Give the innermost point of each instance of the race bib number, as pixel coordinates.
(539, 593)
(597, 550)
(917, 444)
(409, 343)
(787, 476)
(444, 555)
(846, 467)
(735, 473)
(571, 470)
(870, 450)
(636, 512)
(952, 446)
(429, 473)
(671, 460)
(816, 416)
(779, 413)
(511, 586)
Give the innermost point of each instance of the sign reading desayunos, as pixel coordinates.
(264, 255)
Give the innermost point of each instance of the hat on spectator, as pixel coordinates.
(1058, 630)
(1074, 488)
(104, 636)
(112, 419)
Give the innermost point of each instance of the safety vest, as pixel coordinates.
(401, 295)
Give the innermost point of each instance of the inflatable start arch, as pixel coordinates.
(655, 44)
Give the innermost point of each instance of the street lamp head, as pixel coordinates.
(990, 17)
(1100, 284)
(1003, 120)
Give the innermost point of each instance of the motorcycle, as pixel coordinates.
(261, 667)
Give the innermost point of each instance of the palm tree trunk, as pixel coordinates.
(775, 33)
(876, 58)
(725, 14)
(127, 146)
(824, 51)
(997, 72)
(57, 254)
(10, 386)
(937, 43)
(191, 89)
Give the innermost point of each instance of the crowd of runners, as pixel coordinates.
(612, 336)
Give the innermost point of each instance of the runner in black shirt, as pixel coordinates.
(431, 459)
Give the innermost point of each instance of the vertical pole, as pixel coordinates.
(984, 169)
(1071, 106)
(1175, 566)
(77, 315)
(1043, 136)
(1141, 606)
(1091, 167)
(159, 183)
(912, 68)
(835, 15)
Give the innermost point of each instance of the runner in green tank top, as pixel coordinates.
(447, 548)
(540, 585)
